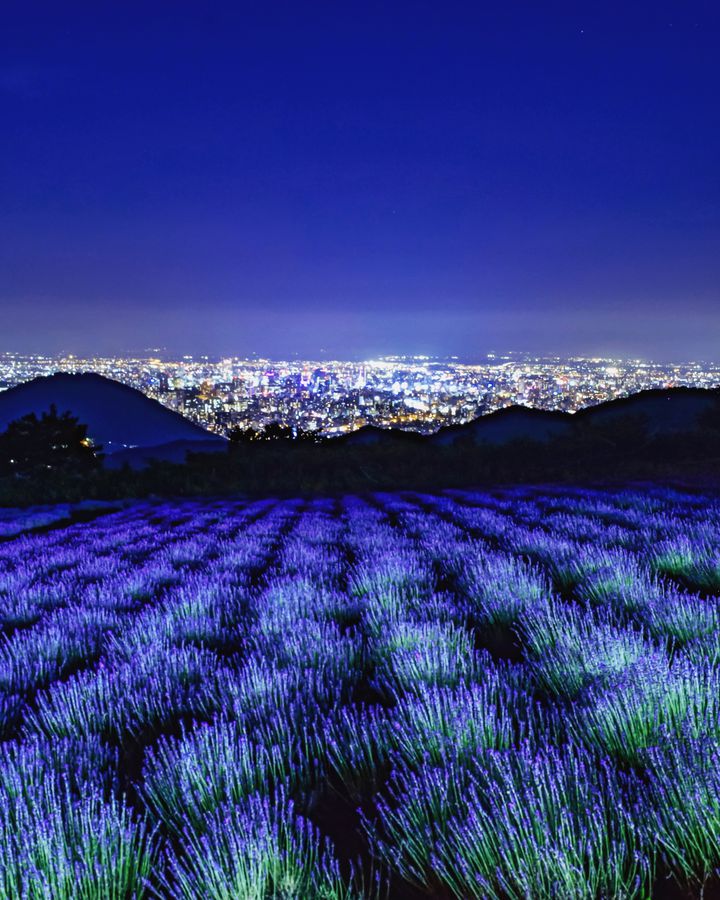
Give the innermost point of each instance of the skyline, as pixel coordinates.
(493, 356)
(338, 396)
(361, 182)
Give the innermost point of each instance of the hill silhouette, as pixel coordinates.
(513, 423)
(665, 411)
(671, 434)
(118, 417)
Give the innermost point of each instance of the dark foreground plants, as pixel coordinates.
(460, 695)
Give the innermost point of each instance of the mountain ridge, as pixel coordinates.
(518, 422)
(118, 416)
(133, 427)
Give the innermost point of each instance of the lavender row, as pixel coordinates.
(470, 695)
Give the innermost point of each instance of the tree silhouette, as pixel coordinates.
(275, 431)
(54, 442)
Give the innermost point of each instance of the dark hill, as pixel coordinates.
(514, 423)
(372, 435)
(665, 411)
(510, 424)
(117, 416)
(669, 434)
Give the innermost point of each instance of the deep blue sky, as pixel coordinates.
(360, 178)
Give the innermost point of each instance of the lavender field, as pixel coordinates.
(512, 694)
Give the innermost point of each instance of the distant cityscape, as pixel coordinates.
(331, 398)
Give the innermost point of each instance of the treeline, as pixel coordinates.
(282, 465)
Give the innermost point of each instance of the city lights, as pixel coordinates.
(335, 397)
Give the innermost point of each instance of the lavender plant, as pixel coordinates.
(259, 849)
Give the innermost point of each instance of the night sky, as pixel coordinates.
(350, 179)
